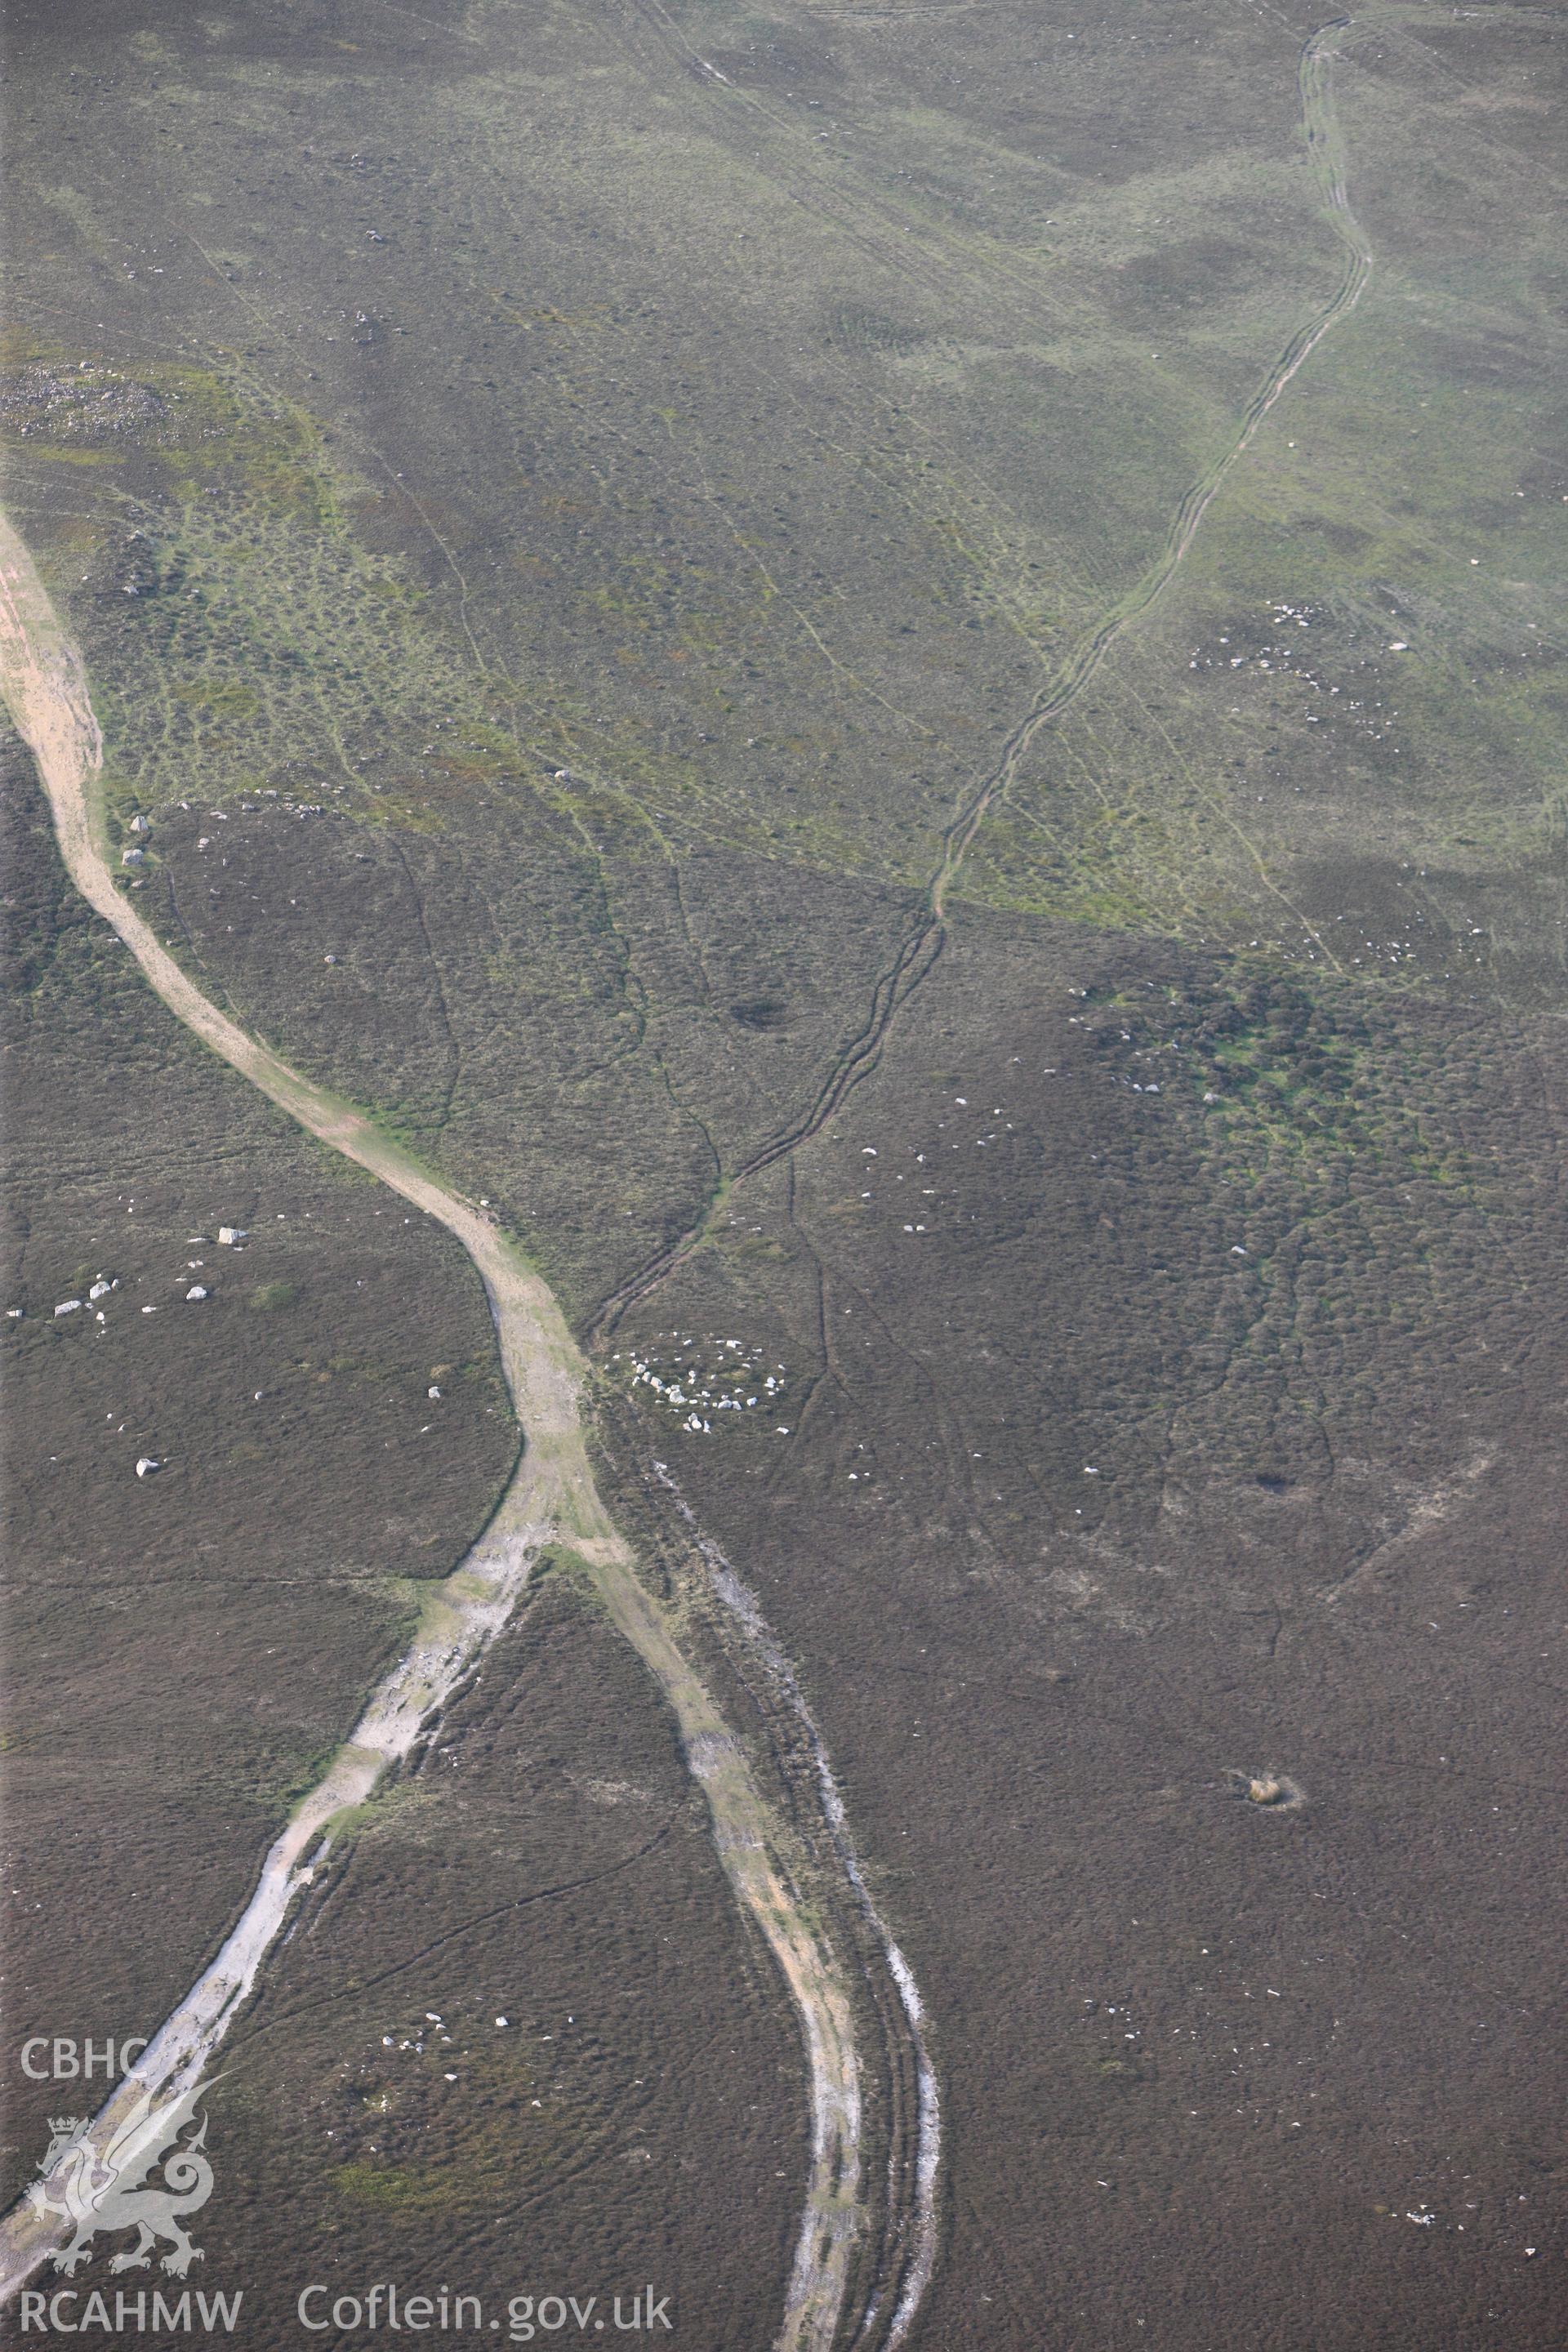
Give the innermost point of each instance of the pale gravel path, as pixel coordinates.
(552, 1497)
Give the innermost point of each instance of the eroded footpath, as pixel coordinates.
(551, 1499)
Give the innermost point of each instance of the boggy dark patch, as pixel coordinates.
(760, 1013)
(1183, 275)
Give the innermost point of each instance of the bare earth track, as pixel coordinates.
(551, 1499)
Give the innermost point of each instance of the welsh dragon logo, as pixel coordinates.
(98, 2185)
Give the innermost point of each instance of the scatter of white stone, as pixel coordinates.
(692, 1389)
(69, 1307)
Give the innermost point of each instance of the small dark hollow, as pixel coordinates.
(760, 1013)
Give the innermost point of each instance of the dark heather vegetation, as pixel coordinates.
(573, 517)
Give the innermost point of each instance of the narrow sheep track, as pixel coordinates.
(923, 943)
(551, 1498)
